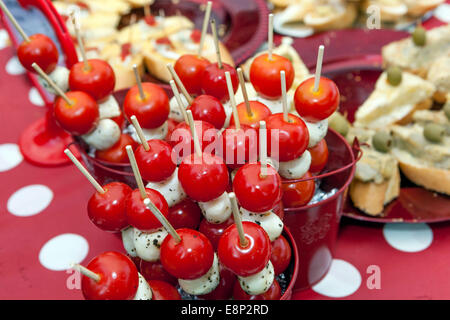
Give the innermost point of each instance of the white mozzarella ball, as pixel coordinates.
(170, 188)
(148, 244)
(109, 108)
(159, 133)
(317, 131)
(204, 284)
(144, 292)
(275, 106)
(260, 282)
(175, 112)
(60, 76)
(269, 221)
(217, 210)
(104, 136)
(128, 242)
(297, 168)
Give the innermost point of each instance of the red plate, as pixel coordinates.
(352, 59)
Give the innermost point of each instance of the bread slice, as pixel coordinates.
(332, 16)
(439, 75)
(418, 8)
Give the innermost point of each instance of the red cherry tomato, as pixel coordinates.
(213, 231)
(152, 111)
(239, 146)
(171, 125)
(254, 192)
(316, 106)
(136, 260)
(319, 157)
(155, 271)
(120, 120)
(214, 81)
(80, 117)
(98, 81)
(298, 194)
(248, 260)
(163, 291)
(203, 178)
(265, 75)
(119, 278)
(281, 254)
(209, 109)
(117, 153)
(190, 67)
(185, 214)
(274, 293)
(189, 259)
(225, 288)
(259, 112)
(156, 164)
(40, 50)
(292, 136)
(137, 213)
(107, 210)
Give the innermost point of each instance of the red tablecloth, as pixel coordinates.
(44, 226)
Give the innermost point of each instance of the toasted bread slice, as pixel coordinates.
(439, 75)
(390, 11)
(332, 16)
(418, 8)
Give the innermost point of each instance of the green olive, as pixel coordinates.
(382, 141)
(340, 124)
(434, 132)
(447, 109)
(394, 76)
(419, 36)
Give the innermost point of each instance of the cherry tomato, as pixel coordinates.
(274, 292)
(185, 214)
(292, 136)
(259, 112)
(203, 178)
(120, 120)
(119, 278)
(79, 118)
(214, 82)
(265, 75)
(189, 68)
(163, 291)
(190, 258)
(281, 254)
(316, 106)
(156, 164)
(107, 210)
(41, 50)
(239, 146)
(117, 153)
(136, 260)
(208, 108)
(155, 271)
(98, 81)
(225, 288)
(254, 192)
(319, 157)
(248, 260)
(213, 231)
(153, 110)
(171, 125)
(298, 194)
(137, 213)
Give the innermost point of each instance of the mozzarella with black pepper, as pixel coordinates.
(175, 112)
(144, 292)
(60, 76)
(148, 245)
(128, 242)
(269, 221)
(109, 108)
(317, 131)
(104, 136)
(159, 133)
(204, 284)
(297, 168)
(170, 188)
(217, 210)
(260, 282)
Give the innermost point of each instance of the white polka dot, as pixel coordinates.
(4, 39)
(10, 156)
(443, 12)
(13, 67)
(408, 237)
(61, 251)
(29, 200)
(35, 97)
(342, 280)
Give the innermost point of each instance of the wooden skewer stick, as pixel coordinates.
(162, 219)
(84, 171)
(318, 68)
(58, 90)
(136, 172)
(86, 272)
(197, 148)
(80, 41)
(270, 36)
(179, 101)
(204, 27)
(139, 132)
(244, 91)
(179, 83)
(263, 148)
(14, 21)
(283, 96)
(238, 220)
(216, 43)
(237, 123)
(138, 82)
